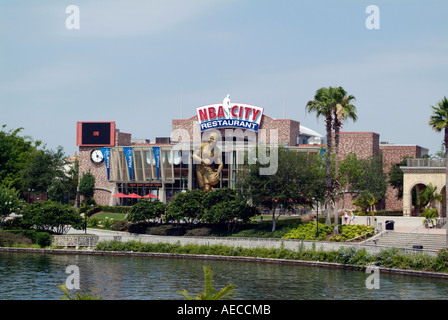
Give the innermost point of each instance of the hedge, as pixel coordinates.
(43, 239)
(11, 237)
(389, 258)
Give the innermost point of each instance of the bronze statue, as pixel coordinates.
(206, 155)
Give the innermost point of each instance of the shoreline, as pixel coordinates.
(407, 272)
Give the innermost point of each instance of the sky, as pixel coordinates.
(144, 63)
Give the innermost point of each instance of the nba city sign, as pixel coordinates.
(229, 115)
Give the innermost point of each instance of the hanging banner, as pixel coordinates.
(129, 154)
(156, 151)
(106, 157)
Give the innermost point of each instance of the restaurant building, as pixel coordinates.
(165, 166)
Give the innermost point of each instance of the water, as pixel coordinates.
(37, 276)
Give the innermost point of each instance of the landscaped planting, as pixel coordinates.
(390, 258)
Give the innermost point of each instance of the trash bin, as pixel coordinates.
(389, 224)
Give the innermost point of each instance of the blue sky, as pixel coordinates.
(134, 61)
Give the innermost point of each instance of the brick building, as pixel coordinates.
(164, 167)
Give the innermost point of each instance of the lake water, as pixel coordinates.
(37, 277)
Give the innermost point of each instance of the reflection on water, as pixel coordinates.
(37, 276)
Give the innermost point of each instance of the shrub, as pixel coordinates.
(145, 210)
(43, 239)
(349, 232)
(116, 209)
(307, 231)
(9, 239)
(120, 226)
(199, 232)
(140, 227)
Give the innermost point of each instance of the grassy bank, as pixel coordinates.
(388, 258)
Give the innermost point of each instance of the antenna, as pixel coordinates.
(181, 104)
(284, 103)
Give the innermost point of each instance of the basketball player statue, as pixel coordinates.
(207, 155)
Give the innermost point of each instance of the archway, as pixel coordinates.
(415, 190)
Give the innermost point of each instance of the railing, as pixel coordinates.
(360, 236)
(425, 162)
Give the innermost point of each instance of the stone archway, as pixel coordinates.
(420, 176)
(415, 191)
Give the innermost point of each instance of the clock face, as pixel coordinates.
(96, 156)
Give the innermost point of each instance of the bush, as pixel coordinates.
(349, 232)
(390, 258)
(42, 239)
(9, 239)
(307, 231)
(120, 226)
(199, 232)
(116, 209)
(140, 227)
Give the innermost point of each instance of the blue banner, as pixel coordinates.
(156, 151)
(106, 156)
(129, 154)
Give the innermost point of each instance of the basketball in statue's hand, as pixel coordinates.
(214, 178)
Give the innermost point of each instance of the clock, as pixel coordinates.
(96, 156)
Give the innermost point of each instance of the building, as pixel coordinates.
(121, 164)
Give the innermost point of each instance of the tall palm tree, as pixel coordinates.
(439, 122)
(343, 110)
(322, 106)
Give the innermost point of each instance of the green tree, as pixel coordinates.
(225, 205)
(395, 176)
(439, 122)
(210, 293)
(145, 210)
(51, 216)
(87, 185)
(428, 195)
(365, 200)
(350, 172)
(9, 203)
(14, 155)
(373, 179)
(56, 191)
(186, 206)
(298, 179)
(43, 168)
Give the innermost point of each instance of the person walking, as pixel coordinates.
(352, 218)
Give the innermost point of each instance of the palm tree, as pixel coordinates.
(439, 121)
(322, 106)
(343, 110)
(335, 106)
(209, 292)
